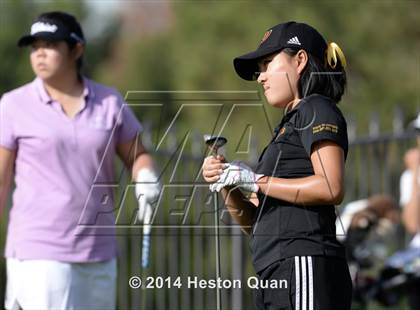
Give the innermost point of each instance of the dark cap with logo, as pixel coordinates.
(54, 26)
(290, 34)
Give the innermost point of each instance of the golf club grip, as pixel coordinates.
(145, 251)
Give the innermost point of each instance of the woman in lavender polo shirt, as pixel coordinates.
(59, 136)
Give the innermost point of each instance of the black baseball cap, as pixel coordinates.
(54, 26)
(290, 34)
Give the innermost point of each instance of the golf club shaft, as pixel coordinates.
(217, 239)
(214, 143)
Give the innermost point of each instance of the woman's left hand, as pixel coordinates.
(237, 173)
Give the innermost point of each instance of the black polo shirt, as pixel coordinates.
(282, 229)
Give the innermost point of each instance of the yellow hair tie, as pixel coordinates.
(333, 50)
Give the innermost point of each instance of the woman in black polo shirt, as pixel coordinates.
(300, 174)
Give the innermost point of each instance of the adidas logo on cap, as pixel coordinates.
(294, 40)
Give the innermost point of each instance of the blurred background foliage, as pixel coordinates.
(189, 45)
(172, 46)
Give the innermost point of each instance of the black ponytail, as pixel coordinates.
(318, 78)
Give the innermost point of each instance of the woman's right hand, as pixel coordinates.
(213, 167)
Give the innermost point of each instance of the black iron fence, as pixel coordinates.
(374, 165)
(182, 242)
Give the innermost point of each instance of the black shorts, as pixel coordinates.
(313, 283)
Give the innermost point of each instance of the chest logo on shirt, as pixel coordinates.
(99, 122)
(282, 131)
(325, 127)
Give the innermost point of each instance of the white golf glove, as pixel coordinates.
(147, 193)
(237, 173)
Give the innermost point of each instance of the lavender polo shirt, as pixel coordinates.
(60, 162)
